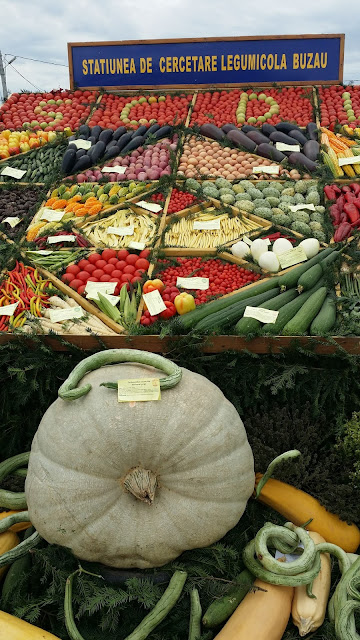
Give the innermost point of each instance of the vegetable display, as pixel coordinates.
(154, 483)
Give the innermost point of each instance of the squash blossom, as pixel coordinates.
(184, 303)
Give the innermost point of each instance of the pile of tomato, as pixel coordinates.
(223, 277)
(122, 267)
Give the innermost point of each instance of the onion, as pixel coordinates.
(269, 261)
(258, 247)
(81, 178)
(311, 247)
(131, 176)
(142, 175)
(281, 245)
(120, 176)
(240, 249)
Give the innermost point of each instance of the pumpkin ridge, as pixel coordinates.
(70, 468)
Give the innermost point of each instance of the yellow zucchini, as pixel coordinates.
(12, 628)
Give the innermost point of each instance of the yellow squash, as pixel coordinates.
(8, 540)
(308, 614)
(262, 615)
(298, 507)
(12, 628)
(20, 526)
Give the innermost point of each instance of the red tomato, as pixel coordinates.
(116, 273)
(67, 277)
(107, 254)
(94, 257)
(98, 273)
(100, 264)
(90, 268)
(75, 283)
(81, 289)
(112, 261)
(121, 264)
(82, 264)
(136, 279)
(139, 272)
(142, 263)
(105, 278)
(122, 254)
(83, 275)
(126, 277)
(129, 268)
(131, 258)
(109, 268)
(92, 279)
(73, 268)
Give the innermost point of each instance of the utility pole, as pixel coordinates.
(3, 79)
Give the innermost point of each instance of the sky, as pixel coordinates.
(43, 32)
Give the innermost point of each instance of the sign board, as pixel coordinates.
(225, 62)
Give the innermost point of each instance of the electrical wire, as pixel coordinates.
(20, 74)
(57, 64)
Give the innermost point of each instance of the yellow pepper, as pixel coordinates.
(184, 303)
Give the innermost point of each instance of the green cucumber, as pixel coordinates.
(220, 610)
(230, 315)
(290, 279)
(289, 310)
(325, 319)
(302, 320)
(247, 326)
(189, 320)
(308, 279)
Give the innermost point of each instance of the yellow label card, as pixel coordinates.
(139, 390)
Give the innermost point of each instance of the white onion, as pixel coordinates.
(240, 249)
(311, 247)
(281, 245)
(258, 247)
(269, 262)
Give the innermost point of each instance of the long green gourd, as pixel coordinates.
(290, 309)
(21, 549)
(246, 326)
(70, 391)
(325, 319)
(312, 275)
(195, 616)
(20, 568)
(300, 323)
(290, 279)
(11, 499)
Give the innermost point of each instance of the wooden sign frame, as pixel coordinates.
(338, 80)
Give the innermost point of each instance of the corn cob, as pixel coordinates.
(333, 166)
(348, 169)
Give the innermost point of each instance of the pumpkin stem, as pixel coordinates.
(141, 483)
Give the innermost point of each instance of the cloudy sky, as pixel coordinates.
(43, 31)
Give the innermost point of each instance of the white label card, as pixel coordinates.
(263, 315)
(55, 239)
(299, 207)
(273, 168)
(81, 144)
(154, 302)
(247, 240)
(139, 390)
(9, 309)
(92, 288)
(354, 160)
(267, 241)
(115, 169)
(281, 146)
(58, 315)
(291, 257)
(121, 231)
(193, 283)
(149, 206)
(12, 221)
(13, 173)
(209, 225)
(138, 246)
(52, 216)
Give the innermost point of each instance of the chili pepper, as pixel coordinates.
(342, 232)
(335, 214)
(170, 310)
(330, 192)
(355, 187)
(340, 202)
(184, 303)
(350, 197)
(17, 266)
(151, 285)
(352, 212)
(346, 189)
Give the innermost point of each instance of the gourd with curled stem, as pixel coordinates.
(24, 546)
(346, 601)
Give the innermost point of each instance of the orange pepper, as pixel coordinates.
(49, 202)
(151, 285)
(60, 204)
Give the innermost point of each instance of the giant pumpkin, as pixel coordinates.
(134, 484)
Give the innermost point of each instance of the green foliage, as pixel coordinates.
(351, 445)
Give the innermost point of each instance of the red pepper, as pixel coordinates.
(343, 217)
(350, 197)
(342, 232)
(337, 189)
(335, 214)
(340, 202)
(170, 310)
(357, 203)
(346, 189)
(355, 186)
(352, 212)
(330, 192)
